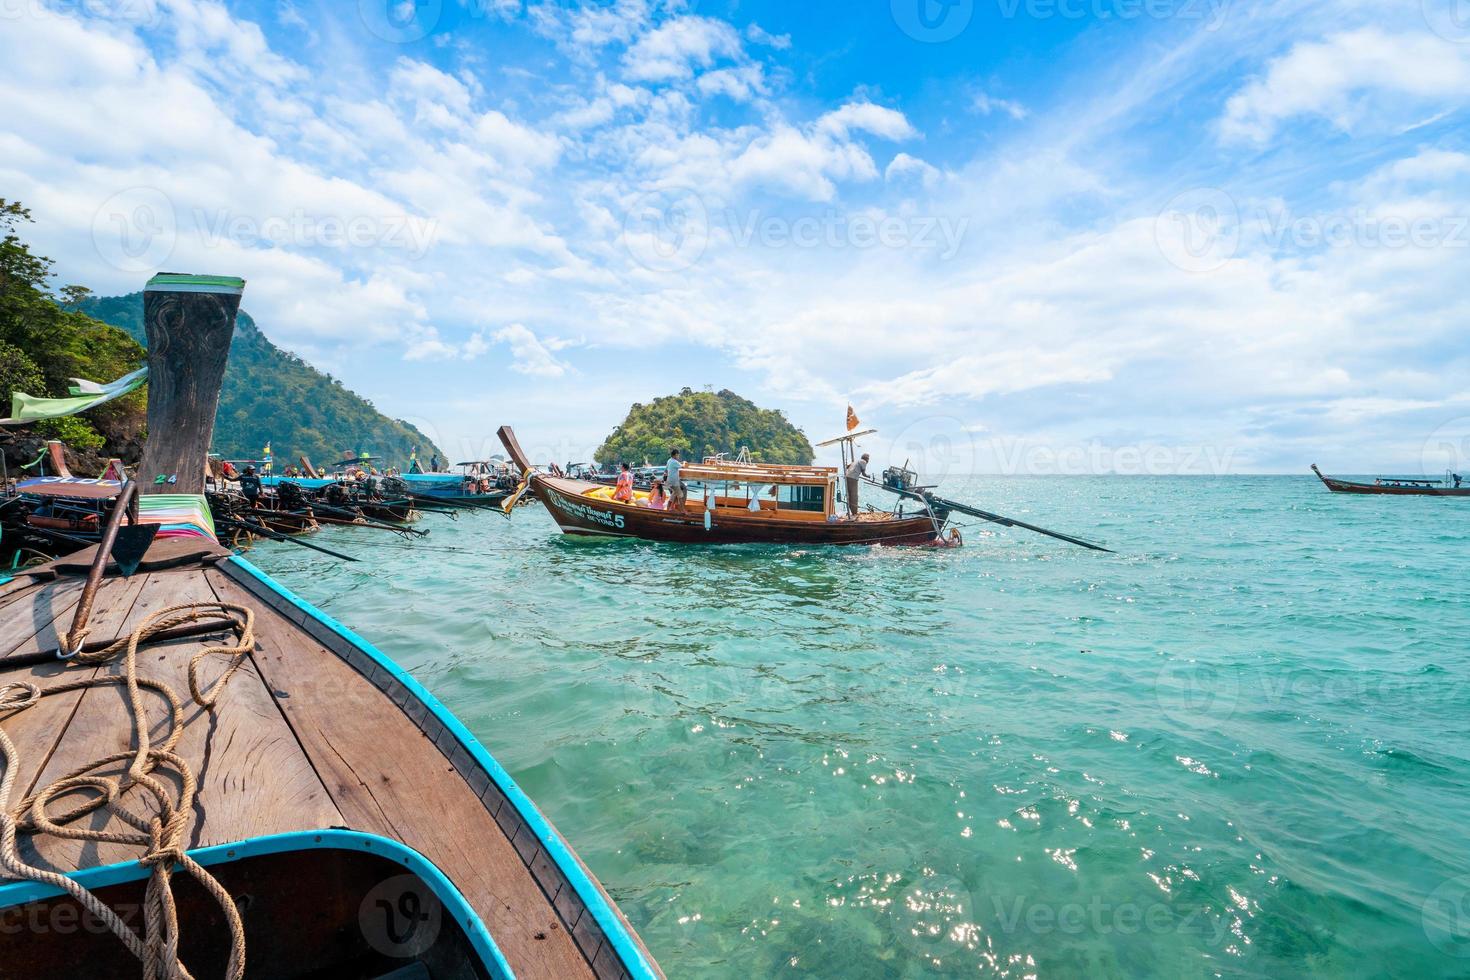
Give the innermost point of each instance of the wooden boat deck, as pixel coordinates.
(311, 733)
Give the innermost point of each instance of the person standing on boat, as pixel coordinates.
(671, 479)
(856, 470)
(624, 491)
(250, 486)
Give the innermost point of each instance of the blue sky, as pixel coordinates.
(1022, 236)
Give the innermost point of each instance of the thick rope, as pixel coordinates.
(158, 832)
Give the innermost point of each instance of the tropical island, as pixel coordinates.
(702, 423)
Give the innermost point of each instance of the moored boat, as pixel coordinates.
(206, 774)
(729, 503)
(1398, 486)
(743, 502)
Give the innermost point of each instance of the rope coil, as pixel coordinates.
(158, 833)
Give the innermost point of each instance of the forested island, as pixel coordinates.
(701, 423)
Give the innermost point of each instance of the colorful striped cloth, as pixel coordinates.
(180, 515)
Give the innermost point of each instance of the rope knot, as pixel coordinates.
(164, 857)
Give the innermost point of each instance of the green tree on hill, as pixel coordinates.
(45, 341)
(702, 423)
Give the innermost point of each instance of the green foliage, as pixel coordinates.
(271, 394)
(17, 373)
(73, 430)
(42, 344)
(701, 423)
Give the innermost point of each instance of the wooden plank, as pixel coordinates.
(37, 730)
(15, 588)
(253, 777)
(388, 778)
(33, 612)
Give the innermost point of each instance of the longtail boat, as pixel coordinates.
(202, 774)
(744, 503)
(480, 483)
(1398, 486)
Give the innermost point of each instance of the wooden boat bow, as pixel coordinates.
(353, 826)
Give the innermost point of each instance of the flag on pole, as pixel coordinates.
(852, 419)
(84, 395)
(265, 466)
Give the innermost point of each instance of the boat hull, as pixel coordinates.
(577, 515)
(1383, 490)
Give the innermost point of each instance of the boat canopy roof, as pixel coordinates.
(847, 437)
(69, 486)
(713, 472)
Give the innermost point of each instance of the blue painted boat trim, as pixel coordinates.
(611, 923)
(455, 905)
(309, 482)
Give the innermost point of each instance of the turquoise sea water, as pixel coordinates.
(1239, 747)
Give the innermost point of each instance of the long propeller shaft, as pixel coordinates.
(938, 502)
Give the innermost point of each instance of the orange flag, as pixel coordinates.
(852, 419)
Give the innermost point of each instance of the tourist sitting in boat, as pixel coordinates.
(658, 499)
(624, 492)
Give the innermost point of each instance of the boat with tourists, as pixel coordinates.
(1399, 486)
(739, 501)
(203, 775)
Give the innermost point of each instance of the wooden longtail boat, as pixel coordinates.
(1396, 486)
(253, 787)
(792, 505)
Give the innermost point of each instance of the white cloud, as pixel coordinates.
(1355, 78)
(759, 35)
(475, 346)
(809, 163)
(531, 354)
(584, 30)
(904, 167)
(428, 347)
(986, 104)
(865, 117)
(740, 84)
(437, 98)
(672, 50)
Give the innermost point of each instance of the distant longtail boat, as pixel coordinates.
(1397, 486)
